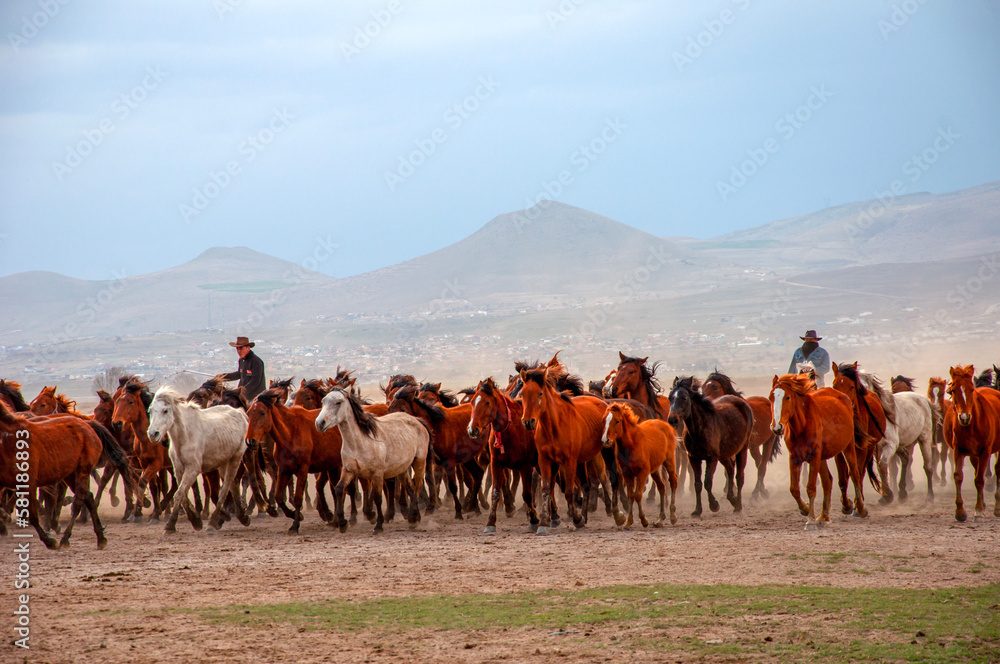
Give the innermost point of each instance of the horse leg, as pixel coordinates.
(904, 458)
(843, 474)
(996, 492)
(570, 470)
(640, 484)
(826, 478)
(710, 467)
(284, 478)
(672, 480)
(476, 471)
(322, 507)
(508, 487)
(390, 487)
(189, 477)
(499, 480)
(795, 473)
(855, 468)
(301, 480)
(528, 498)
(353, 491)
(376, 484)
(49, 541)
(346, 477)
(696, 471)
(75, 508)
(811, 491)
(545, 495)
(730, 467)
(453, 487)
(927, 454)
(230, 489)
(657, 476)
(981, 464)
(883, 454)
(959, 462)
(741, 467)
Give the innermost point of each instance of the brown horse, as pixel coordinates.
(764, 445)
(103, 414)
(873, 415)
(937, 388)
(972, 429)
(635, 379)
(643, 450)
(48, 402)
(901, 383)
(397, 382)
(817, 425)
(715, 432)
(131, 412)
(10, 394)
(512, 447)
(204, 393)
(299, 449)
(36, 453)
(568, 431)
(451, 444)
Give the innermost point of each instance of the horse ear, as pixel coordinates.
(645, 359)
(952, 372)
(774, 381)
(303, 384)
(621, 356)
(836, 371)
(523, 374)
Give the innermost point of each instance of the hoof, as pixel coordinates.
(885, 500)
(961, 517)
(556, 522)
(343, 527)
(714, 506)
(114, 501)
(64, 543)
(54, 545)
(532, 527)
(673, 520)
(489, 530)
(978, 518)
(541, 530)
(696, 514)
(293, 531)
(821, 525)
(860, 515)
(354, 519)
(169, 531)
(210, 529)
(810, 526)
(658, 524)
(245, 520)
(153, 521)
(102, 544)
(377, 530)
(626, 528)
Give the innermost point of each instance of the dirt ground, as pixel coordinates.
(121, 604)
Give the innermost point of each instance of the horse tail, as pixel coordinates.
(776, 448)
(113, 453)
(937, 418)
(873, 477)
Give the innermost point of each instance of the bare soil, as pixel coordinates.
(121, 604)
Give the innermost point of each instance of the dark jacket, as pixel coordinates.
(251, 375)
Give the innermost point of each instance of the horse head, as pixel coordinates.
(962, 392)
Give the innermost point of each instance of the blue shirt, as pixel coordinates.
(819, 358)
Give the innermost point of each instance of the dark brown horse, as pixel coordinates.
(901, 383)
(10, 394)
(35, 453)
(764, 444)
(873, 414)
(716, 431)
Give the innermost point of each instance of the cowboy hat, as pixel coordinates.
(241, 341)
(811, 336)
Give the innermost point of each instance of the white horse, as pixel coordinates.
(201, 440)
(910, 422)
(376, 449)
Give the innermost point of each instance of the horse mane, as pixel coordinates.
(127, 378)
(447, 398)
(527, 366)
(725, 381)
(626, 412)
(68, 405)
(563, 380)
(850, 371)
(165, 393)
(798, 383)
(103, 396)
(435, 413)
(903, 379)
(596, 386)
(367, 422)
(646, 373)
(229, 398)
(884, 396)
(984, 379)
(270, 397)
(282, 384)
(12, 391)
(693, 385)
(489, 387)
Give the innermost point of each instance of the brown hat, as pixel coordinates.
(810, 336)
(241, 341)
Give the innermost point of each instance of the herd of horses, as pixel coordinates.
(543, 430)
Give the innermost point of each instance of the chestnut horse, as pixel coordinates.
(901, 383)
(634, 379)
(715, 431)
(937, 388)
(568, 431)
(764, 445)
(48, 402)
(452, 445)
(643, 450)
(10, 394)
(131, 412)
(512, 447)
(875, 413)
(817, 425)
(36, 453)
(299, 449)
(972, 429)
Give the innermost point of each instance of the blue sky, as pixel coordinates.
(134, 135)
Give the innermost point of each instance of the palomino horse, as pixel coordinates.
(43, 452)
(452, 445)
(817, 425)
(937, 388)
(764, 445)
(715, 431)
(299, 449)
(643, 450)
(568, 432)
(201, 440)
(972, 429)
(376, 449)
(874, 410)
(512, 447)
